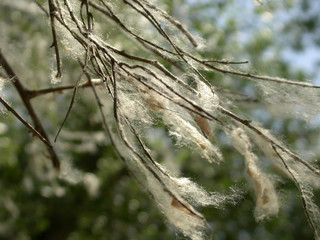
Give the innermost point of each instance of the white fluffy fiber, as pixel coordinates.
(291, 101)
(266, 198)
(188, 135)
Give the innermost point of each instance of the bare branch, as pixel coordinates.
(52, 10)
(26, 100)
(75, 88)
(59, 90)
(21, 119)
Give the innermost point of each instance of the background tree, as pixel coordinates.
(129, 68)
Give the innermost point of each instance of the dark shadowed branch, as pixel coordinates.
(26, 101)
(17, 115)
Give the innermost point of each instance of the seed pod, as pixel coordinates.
(205, 127)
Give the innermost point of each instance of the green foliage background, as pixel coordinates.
(35, 204)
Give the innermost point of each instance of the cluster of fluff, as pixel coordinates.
(266, 198)
(187, 134)
(176, 197)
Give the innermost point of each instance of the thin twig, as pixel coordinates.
(174, 22)
(52, 10)
(73, 98)
(155, 48)
(226, 62)
(41, 7)
(37, 93)
(251, 76)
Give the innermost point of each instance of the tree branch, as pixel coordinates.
(26, 101)
(37, 93)
(17, 115)
(52, 10)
